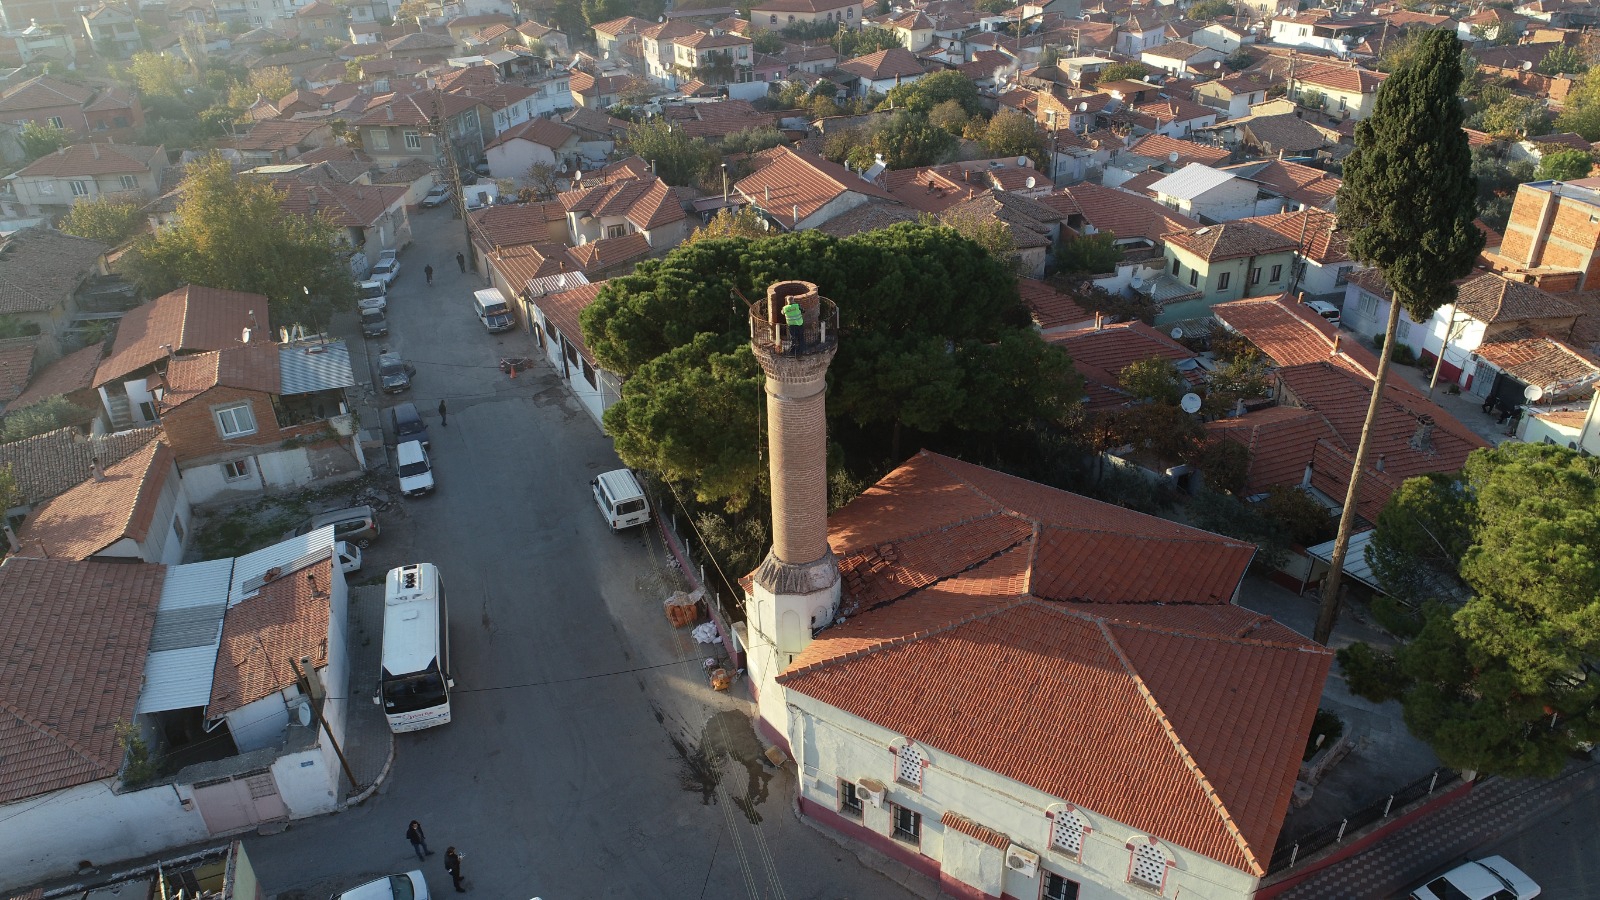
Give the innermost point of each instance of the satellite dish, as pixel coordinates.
(1173, 156)
(1527, 67)
(1030, 182)
(302, 712)
(1083, 107)
(1533, 393)
(1190, 403)
(1022, 161)
(1177, 334)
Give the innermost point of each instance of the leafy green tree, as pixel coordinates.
(742, 223)
(1301, 518)
(1564, 59)
(16, 326)
(352, 69)
(9, 494)
(1565, 165)
(1241, 378)
(231, 233)
(984, 230)
(853, 42)
(1154, 380)
(46, 415)
(1207, 10)
(938, 342)
(1407, 202)
(1124, 71)
(39, 140)
(104, 219)
(752, 140)
(949, 116)
(1421, 535)
(821, 107)
(1012, 133)
(1089, 254)
(929, 91)
(1227, 515)
(768, 42)
(157, 74)
(679, 159)
(1583, 120)
(907, 140)
(1239, 60)
(1515, 116)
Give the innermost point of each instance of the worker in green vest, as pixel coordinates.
(796, 317)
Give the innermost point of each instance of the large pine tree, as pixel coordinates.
(1407, 204)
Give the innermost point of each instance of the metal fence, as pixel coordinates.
(1290, 851)
(675, 520)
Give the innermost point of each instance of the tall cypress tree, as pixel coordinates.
(1407, 204)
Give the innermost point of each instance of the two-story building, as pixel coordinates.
(880, 72)
(396, 128)
(616, 209)
(319, 20)
(1346, 91)
(41, 271)
(112, 31)
(86, 172)
(133, 509)
(1226, 262)
(775, 15)
(713, 58)
(82, 109)
(371, 218)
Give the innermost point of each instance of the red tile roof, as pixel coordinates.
(93, 159)
(895, 62)
(1290, 334)
(1313, 230)
(957, 822)
(1112, 348)
(563, 310)
(44, 91)
(72, 372)
(1491, 299)
(16, 365)
(1159, 146)
(98, 513)
(598, 257)
(191, 318)
(76, 636)
(1129, 216)
(515, 224)
(1346, 78)
(1282, 441)
(1541, 360)
(544, 132)
(263, 634)
(250, 367)
(795, 178)
(984, 596)
(1230, 240)
(646, 202)
(1049, 307)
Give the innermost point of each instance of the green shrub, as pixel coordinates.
(1371, 673)
(1395, 617)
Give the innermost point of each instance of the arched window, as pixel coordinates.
(1148, 865)
(908, 769)
(850, 13)
(791, 20)
(1067, 829)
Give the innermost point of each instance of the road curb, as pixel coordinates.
(371, 789)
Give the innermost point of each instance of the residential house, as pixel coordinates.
(796, 190)
(1209, 195)
(598, 133)
(1489, 308)
(1555, 225)
(619, 208)
(462, 27)
(1318, 29)
(535, 142)
(1489, 24)
(1282, 135)
(1052, 311)
(1034, 229)
(134, 509)
(50, 464)
(775, 15)
(620, 37)
(1101, 351)
(1172, 116)
(395, 128)
(1288, 186)
(1533, 149)
(552, 94)
(914, 28)
(71, 376)
(716, 119)
(300, 63)
(598, 92)
(1233, 95)
(553, 40)
(558, 313)
(1181, 58)
(371, 218)
(1342, 92)
(319, 20)
(957, 797)
(260, 416)
(714, 58)
(88, 172)
(1577, 426)
(1226, 262)
(509, 104)
(277, 141)
(1222, 37)
(420, 46)
(83, 109)
(41, 272)
(880, 72)
(1135, 220)
(1324, 263)
(112, 31)
(38, 45)
(191, 319)
(1143, 30)
(655, 46)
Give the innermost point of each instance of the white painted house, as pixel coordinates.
(980, 677)
(134, 509)
(1209, 195)
(536, 142)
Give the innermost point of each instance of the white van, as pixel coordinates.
(416, 470)
(490, 305)
(622, 502)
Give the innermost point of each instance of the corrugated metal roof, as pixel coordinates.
(1355, 561)
(1191, 181)
(188, 629)
(288, 555)
(555, 284)
(308, 368)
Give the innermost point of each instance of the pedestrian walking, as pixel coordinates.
(428, 271)
(442, 415)
(452, 864)
(462, 262)
(419, 841)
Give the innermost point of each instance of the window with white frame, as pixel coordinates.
(1402, 330)
(236, 421)
(1149, 865)
(236, 470)
(1058, 888)
(79, 188)
(130, 182)
(1066, 833)
(380, 139)
(616, 231)
(55, 121)
(413, 140)
(1368, 305)
(907, 825)
(908, 769)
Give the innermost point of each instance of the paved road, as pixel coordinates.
(1561, 850)
(563, 774)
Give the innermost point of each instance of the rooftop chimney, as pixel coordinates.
(99, 473)
(1379, 464)
(1422, 441)
(796, 588)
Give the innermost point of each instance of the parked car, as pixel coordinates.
(394, 373)
(372, 295)
(410, 886)
(348, 556)
(374, 323)
(1326, 310)
(622, 502)
(438, 195)
(386, 271)
(416, 470)
(356, 524)
(1490, 878)
(408, 424)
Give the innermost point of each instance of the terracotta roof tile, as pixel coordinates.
(1313, 231)
(1345, 78)
(98, 513)
(191, 318)
(261, 634)
(1542, 360)
(1230, 240)
(40, 268)
(646, 202)
(1112, 348)
(564, 308)
(72, 372)
(1491, 299)
(44, 91)
(48, 464)
(16, 365)
(1129, 216)
(1049, 307)
(515, 224)
(1160, 146)
(1290, 334)
(1281, 439)
(895, 62)
(76, 635)
(1303, 183)
(250, 367)
(957, 822)
(544, 132)
(526, 262)
(795, 178)
(869, 216)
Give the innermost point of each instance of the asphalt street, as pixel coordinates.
(565, 773)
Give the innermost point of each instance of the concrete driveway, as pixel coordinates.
(570, 767)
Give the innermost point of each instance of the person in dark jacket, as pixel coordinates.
(462, 262)
(443, 415)
(452, 864)
(419, 841)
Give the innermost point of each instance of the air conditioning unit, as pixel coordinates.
(1020, 860)
(871, 791)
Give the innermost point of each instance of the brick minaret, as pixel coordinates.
(796, 588)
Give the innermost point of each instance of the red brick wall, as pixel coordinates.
(192, 428)
(1572, 236)
(1524, 215)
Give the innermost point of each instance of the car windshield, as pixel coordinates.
(371, 316)
(400, 886)
(413, 692)
(1444, 890)
(417, 468)
(389, 367)
(371, 291)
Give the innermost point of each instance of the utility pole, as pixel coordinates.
(305, 678)
(439, 129)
